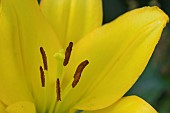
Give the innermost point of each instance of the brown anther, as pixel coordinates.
(44, 57)
(78, 72)
(42, 76)
(68, 53)
(58, 90)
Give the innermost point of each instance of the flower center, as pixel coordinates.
(62, 60)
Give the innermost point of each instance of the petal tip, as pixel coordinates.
(163, 16)
(158, 14)
(138, 100)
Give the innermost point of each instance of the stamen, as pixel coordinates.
(42, 76)
(44, 57)
(68, 53)
(58, 90)
(78, 72)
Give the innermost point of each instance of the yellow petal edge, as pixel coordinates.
(129, 104)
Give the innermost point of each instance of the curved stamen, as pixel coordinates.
(44, 57)
(42, 76)
(78, 72)
(68, 53)
(58, 90)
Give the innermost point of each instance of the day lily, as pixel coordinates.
(101, 63)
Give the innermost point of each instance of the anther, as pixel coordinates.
(42, 76)
(44, 57)
(68, 53)
(78, 72)
(58, 90)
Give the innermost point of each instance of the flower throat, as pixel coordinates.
(77, 73)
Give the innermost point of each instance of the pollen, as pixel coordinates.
(42, 76)
(58, 90)
(78, 72)
(44, 57)
(68, 53)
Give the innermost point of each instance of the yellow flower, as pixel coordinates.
(33, 40)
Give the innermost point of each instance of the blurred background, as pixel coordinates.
(154, 84)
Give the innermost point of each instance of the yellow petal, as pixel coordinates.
(2, 107)
(72, 19)
(130, 104)
(31, 31)
(13, 85)
(117, 53)
(21, 107)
